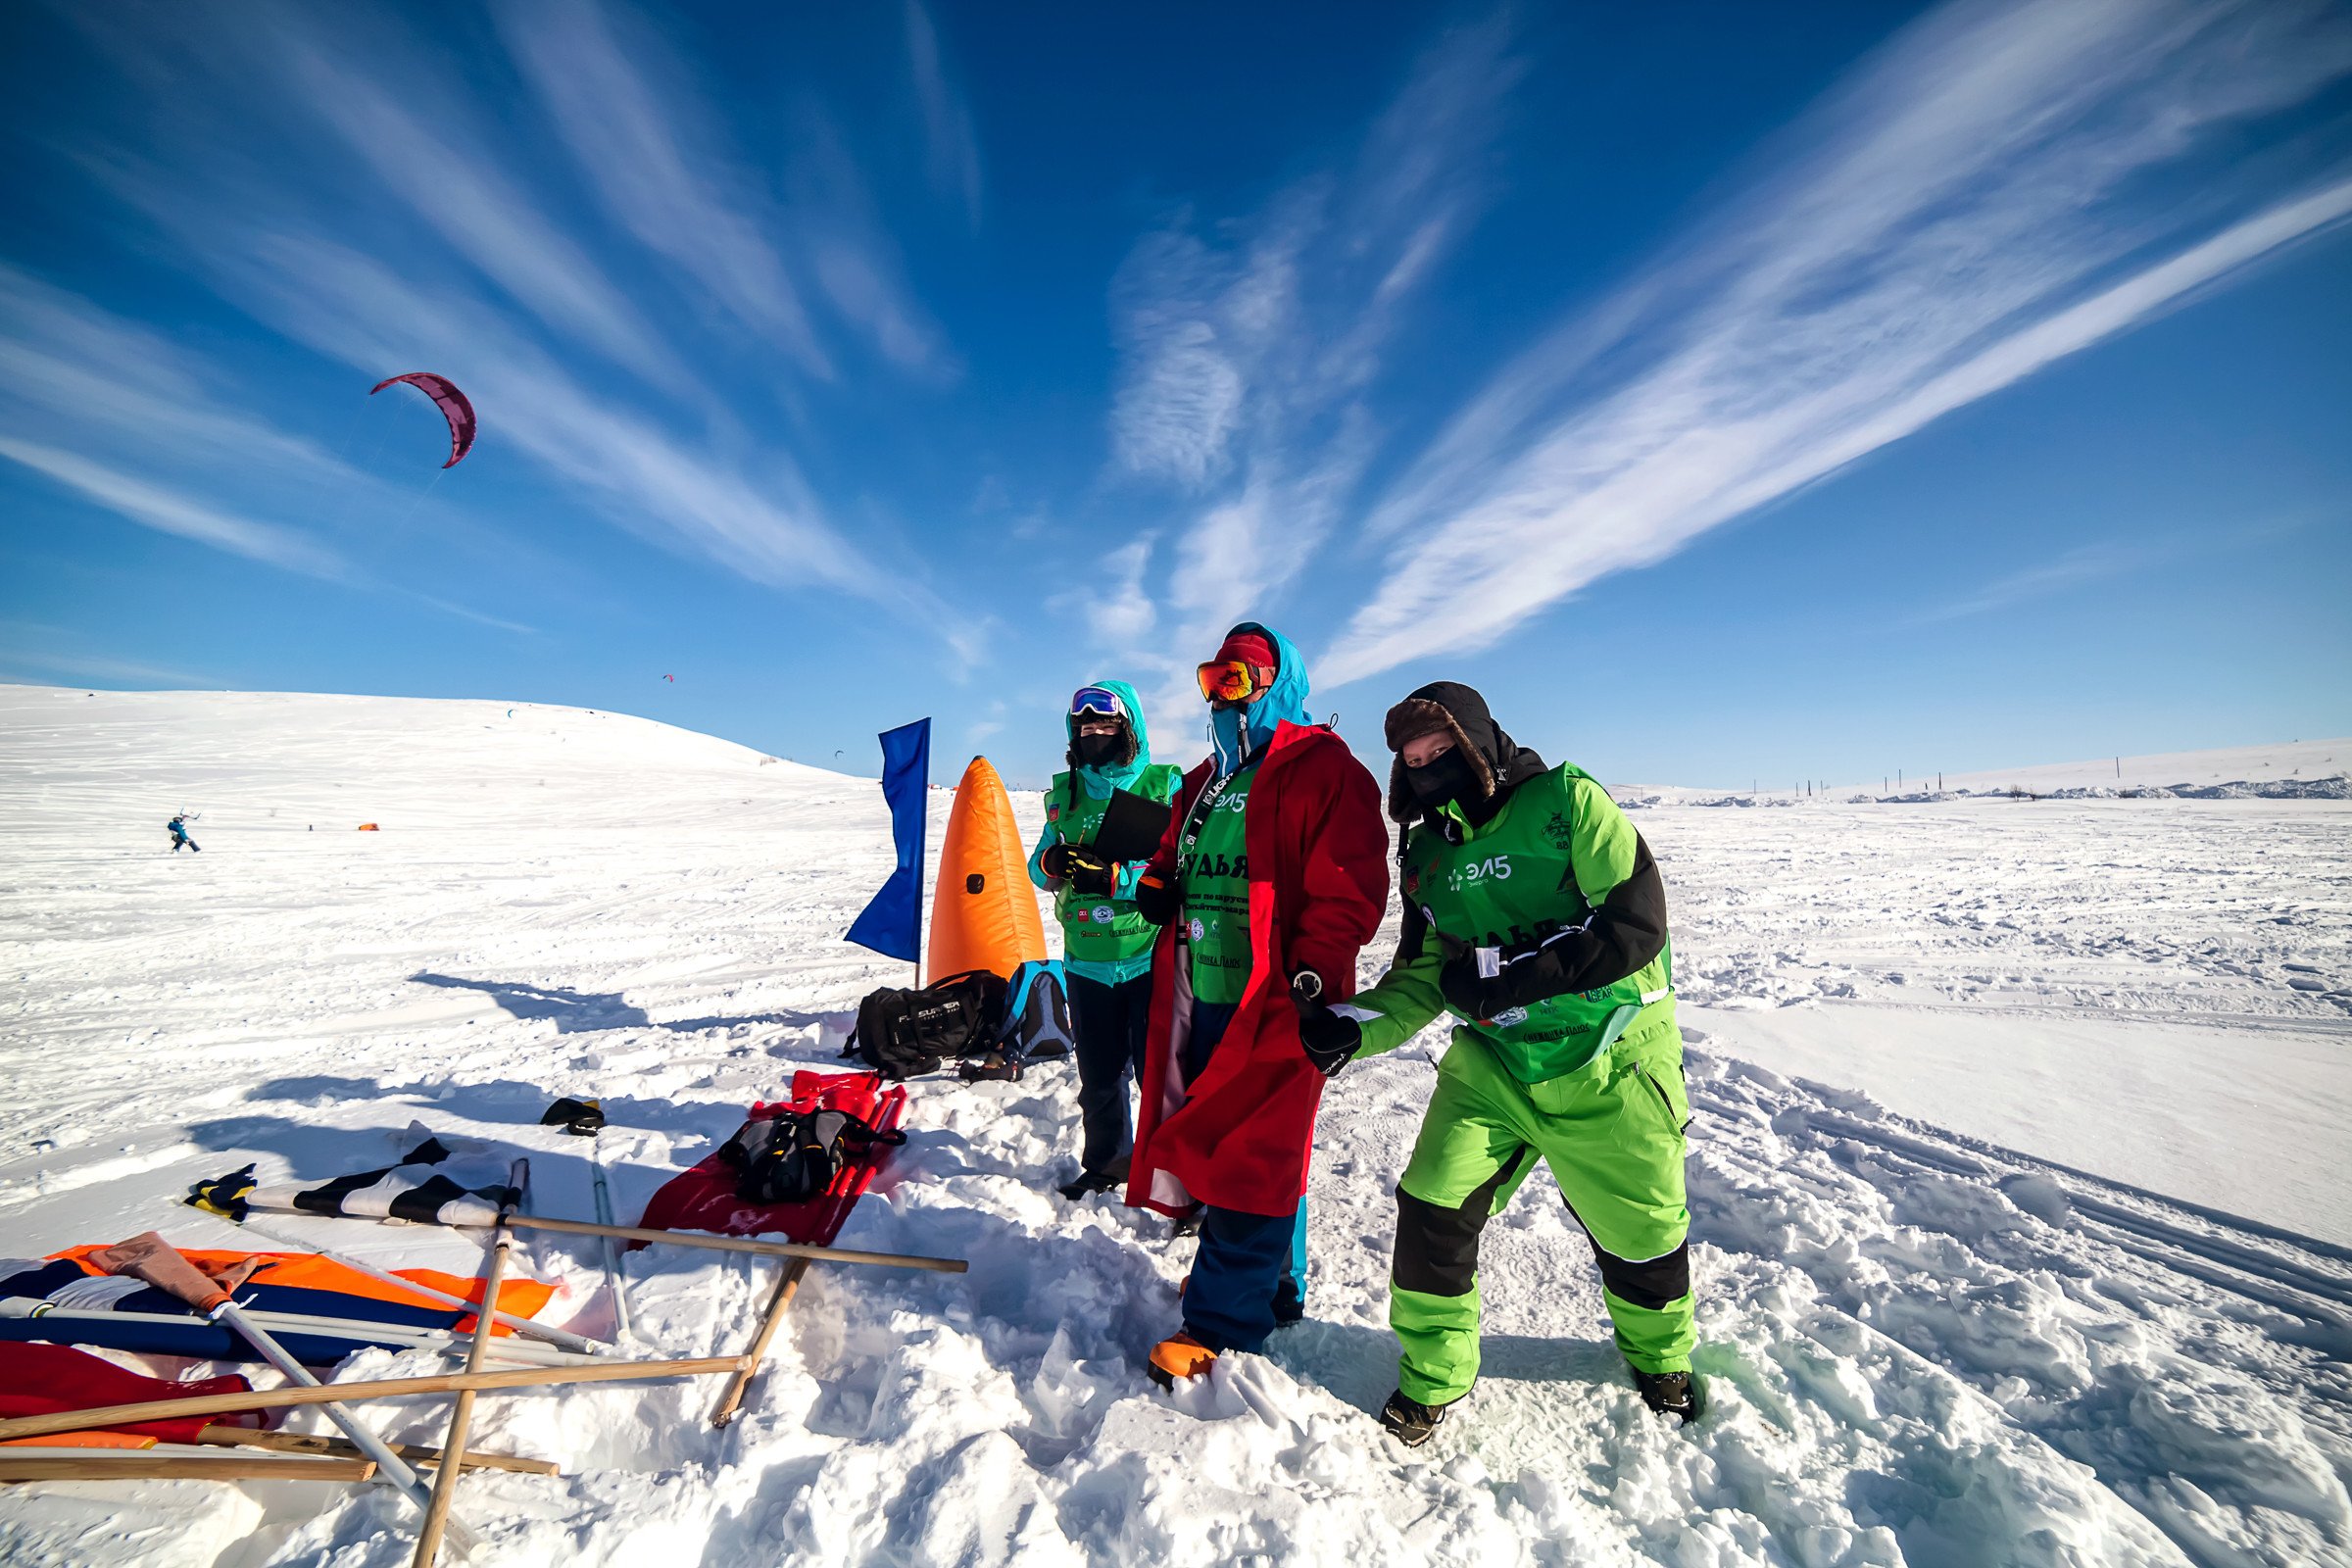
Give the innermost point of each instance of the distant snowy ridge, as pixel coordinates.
(2296, 771)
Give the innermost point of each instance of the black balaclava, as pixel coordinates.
(1476, 776)
(1104, 750)
(1448, 780)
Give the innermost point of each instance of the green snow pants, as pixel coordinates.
(1612, 1133)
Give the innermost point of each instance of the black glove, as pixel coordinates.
(1524, 980)
(1079, 865)
(1155, 897)
(1330, 1040)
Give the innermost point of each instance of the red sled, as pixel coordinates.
(705, 1199)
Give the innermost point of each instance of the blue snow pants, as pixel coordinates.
(1251, 1272)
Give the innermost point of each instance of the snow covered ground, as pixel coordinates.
(1945, 1057)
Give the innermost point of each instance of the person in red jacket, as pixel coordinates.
(1273, 873)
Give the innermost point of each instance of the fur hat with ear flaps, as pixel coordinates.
(1448, 708)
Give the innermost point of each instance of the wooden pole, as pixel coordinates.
(743, 1244)
(220, 1437)
(460, 1416)
(121, 1464)
(521, 1377)
(788, 1285)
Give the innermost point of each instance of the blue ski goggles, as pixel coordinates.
(1098, 701)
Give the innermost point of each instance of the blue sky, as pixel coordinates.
(1730, 399)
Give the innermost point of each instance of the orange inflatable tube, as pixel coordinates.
(983, 911)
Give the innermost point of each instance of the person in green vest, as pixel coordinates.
(1535, 916)
(1105, 945)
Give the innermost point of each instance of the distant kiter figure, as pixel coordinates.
(179, 835)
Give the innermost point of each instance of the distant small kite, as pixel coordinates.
(453, 404)
(672, 679)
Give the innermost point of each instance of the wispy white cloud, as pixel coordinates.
(2075, 568)
(436, 160)
(993, 724)
(27, 648)
(81, 377)
(658, 167)
(1112, 604)
(952, 149)
(469, 269)
(1190, 324)
(167, 512)
(1245, 347)
(121, 417)
(477, 616)
(1977, 202)
(354, 309)
(853, 266)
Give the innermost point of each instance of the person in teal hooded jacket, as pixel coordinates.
(1106, 944)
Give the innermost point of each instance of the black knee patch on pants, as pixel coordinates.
(1436, 1247)
(1655, 1285)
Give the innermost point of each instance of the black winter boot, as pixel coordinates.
(1089, 1183)
(1409, 1421)
(1675, 1393)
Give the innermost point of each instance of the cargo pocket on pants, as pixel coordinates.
(1676, 1106)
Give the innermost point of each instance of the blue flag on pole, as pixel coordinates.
(893, 923)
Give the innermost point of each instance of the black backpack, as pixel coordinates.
(904, 1033)
(795, 1156)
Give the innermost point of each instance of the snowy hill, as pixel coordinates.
(1945, 1058)
(270, 761)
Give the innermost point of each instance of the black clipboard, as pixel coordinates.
(1132, 827)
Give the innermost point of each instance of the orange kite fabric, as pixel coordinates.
(519, 1298)
(984, 911)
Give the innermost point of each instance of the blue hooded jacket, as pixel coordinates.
(1285, 702)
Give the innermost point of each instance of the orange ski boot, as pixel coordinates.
(1179, 1356)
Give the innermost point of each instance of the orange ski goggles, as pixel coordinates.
(1234, 680)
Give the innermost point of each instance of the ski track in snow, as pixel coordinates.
(1924, 1347)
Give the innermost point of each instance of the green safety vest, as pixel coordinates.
(1525, 876)
(1212, 870)
(1095, 928)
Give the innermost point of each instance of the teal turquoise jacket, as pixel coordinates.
(1081, 925)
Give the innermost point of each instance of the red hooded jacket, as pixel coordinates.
(1318, 885)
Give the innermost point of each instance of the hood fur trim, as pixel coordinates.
(1410, 720)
